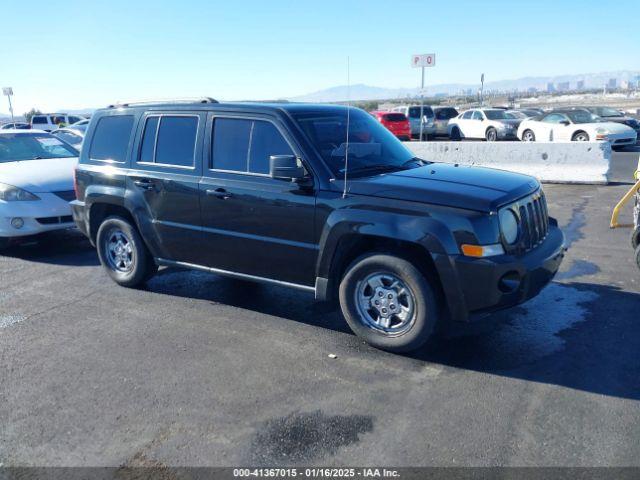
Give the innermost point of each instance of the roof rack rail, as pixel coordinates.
(165, 100)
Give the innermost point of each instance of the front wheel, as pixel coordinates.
(638, 256)
(528, 136)
(123, 253)
(388, 302)
(456, 136)
(581, 137)
(491, 135)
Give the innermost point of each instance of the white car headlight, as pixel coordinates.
(509, 225)
(9, 193)
(602, 131)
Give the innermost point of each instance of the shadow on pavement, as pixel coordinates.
(575, 335)
(64, 247)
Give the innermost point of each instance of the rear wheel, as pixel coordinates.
(388, 302)
(491, 135)
(123, 253)
(580, 137)
(455, 134)
(528, 136)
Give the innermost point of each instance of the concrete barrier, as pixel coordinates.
(566, 162)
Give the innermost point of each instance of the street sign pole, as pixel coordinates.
(422, 61)
(421, 104)
(8, 91)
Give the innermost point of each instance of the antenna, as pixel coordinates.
(346, 147)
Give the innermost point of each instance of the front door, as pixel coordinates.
(254, 224)
(163, 184)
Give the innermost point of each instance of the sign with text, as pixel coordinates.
(424, 60)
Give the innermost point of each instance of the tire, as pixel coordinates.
(638, 256)
(371, 278)
(123, 254)
(635, 238)
(455, 134)
(430, 137)
(580, 137)
(491, 135)
(528, 136)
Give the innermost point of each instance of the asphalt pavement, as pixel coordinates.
(200, 370)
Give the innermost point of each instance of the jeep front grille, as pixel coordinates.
(533, 222)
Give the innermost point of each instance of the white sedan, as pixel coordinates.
(36, 184)
(488, 124)
(576, 126)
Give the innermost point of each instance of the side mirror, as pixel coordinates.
(566, 123)
(285, 167)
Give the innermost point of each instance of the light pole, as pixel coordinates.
(482, 90)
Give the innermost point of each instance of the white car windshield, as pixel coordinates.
(583, 116)
(495, 114)
(30, 146)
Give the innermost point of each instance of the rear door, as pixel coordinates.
(163, 182)
(254, 224)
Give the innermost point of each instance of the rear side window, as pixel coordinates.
(111, 138)
(414, 112)
(245, 146)
(446, 113)
(39, 120)
(170, 140)
(395, 117)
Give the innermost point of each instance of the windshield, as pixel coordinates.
(495, 114)
(582, 116)
(607, 112)
(28, 146)
(371, 145)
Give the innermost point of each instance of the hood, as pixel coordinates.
(40, 176)
(615, 127)
(471, 188)
(629, 121)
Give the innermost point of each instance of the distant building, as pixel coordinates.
(563, 86)
(550, 87)
(532, 90)
(580, 85)
(440, 95)
(612, 84)
(624, 85)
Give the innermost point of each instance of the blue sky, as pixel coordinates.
(78, 54)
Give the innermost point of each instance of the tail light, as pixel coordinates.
(75, 181)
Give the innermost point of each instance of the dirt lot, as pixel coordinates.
(201, 370)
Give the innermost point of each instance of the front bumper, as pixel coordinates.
(44, 215)
(494, 283)
(507, 134)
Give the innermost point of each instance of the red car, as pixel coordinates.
(396, 123)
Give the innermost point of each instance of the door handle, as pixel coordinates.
(145, 184)
(219, 193)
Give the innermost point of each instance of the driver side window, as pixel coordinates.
(477, 115)
(553, 118)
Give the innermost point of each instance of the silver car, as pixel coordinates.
(412, 112)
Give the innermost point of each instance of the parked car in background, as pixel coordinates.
(72, 135)
(15, 126)
(577, 125)
(51, 121)
(412, 112)
(256, 191)
(397, 123)
(609, 114)
(82, 123)
(36, 184)
(489, 124)
(521, 114)
(442, 115)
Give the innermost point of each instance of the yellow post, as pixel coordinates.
(627, 196)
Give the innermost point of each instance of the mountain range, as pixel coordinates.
(368, 92)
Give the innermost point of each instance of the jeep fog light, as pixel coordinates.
(482, 250)
(17, 223)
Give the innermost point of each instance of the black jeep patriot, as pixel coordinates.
(321, 198)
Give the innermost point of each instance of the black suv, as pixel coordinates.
(321, 198)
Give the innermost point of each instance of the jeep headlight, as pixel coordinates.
(9, 193)
(509, 225)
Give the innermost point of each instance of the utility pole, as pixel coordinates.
(482, 90)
